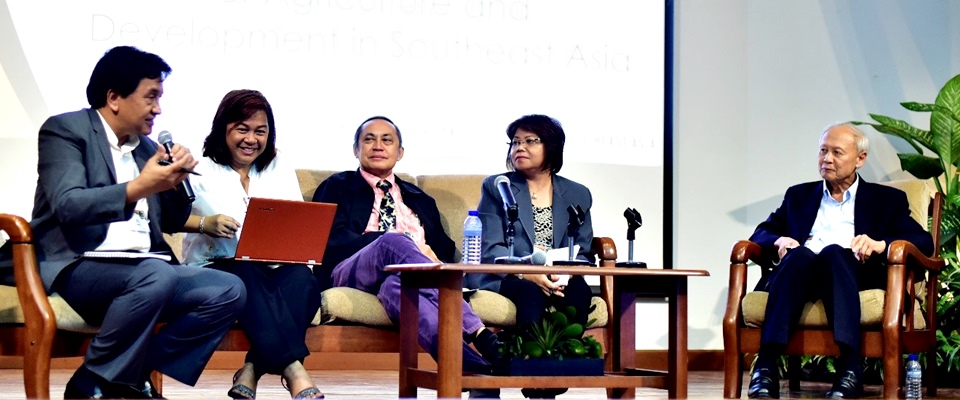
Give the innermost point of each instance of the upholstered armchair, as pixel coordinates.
(893, 321)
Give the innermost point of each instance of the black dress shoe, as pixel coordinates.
(484, 393)
(84, 384)
(542, 393)
(764, 384)
(145, 391)
(847, 386)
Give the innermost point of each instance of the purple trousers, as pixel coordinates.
(364, 271)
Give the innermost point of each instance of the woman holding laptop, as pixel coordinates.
(241, 161)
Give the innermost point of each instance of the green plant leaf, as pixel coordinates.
(950, 221)
(943, 123)
(559, 319)
(902, 129)
(921, 166)
(570, 312)
(532, 350)
(918, 107)
(573, 331)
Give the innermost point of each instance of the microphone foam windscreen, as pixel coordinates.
(539, 257)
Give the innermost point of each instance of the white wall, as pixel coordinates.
(757, 81)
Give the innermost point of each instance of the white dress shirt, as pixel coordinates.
(134, 233)
(834, 223)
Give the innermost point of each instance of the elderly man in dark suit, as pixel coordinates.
(383, 220)
(827, 241)
(101, 187)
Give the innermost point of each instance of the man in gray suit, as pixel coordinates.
(102, 188)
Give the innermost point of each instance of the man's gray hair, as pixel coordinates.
(861, 140)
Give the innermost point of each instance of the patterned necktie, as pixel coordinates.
(388, 219)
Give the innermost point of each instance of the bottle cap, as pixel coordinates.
(473, 213)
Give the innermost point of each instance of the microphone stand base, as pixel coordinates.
(632, 264)
(509, 260)
(573, 263)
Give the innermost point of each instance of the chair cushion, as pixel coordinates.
(343, 304)
(455, 196)
(67, 319)
(815, 316)
(919, 196)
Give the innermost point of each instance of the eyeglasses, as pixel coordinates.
(529, 142)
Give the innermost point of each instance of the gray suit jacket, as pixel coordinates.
(78, 196)
(494, 219)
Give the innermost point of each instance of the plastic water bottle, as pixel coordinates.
(913, 381)
(472, 230)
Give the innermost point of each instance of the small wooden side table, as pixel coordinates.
(449, 380)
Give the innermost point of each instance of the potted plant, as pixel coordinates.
(937, 156)
(554, 346)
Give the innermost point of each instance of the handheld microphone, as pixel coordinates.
(166, 139)
(503, 185)
(538, 257)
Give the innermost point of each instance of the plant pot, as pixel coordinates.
(556, 367)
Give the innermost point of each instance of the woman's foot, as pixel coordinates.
(244, 383)
(298, 382)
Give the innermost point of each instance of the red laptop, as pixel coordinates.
(285, 231)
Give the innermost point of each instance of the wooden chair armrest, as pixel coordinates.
(605, 250)
(904, 252)
(902, 255)
(17, 228)
(744, 251)
(33, 296)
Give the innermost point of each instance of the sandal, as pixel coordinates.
(308, 393)
(241, 391)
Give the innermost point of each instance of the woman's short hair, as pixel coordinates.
(551, 136)
(237, 106)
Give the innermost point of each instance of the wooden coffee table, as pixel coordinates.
(449, 380)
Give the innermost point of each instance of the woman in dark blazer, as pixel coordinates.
(534, 157)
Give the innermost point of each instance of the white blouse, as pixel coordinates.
(219, 191)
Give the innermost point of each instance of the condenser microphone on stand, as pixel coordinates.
(577, 218)
(633, 222)
(513, 214)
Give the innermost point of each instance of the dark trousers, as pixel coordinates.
(281, 303)
(128, 297)
(834, 276)
(532, 302)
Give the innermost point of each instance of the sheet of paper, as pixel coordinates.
(561, 254)
(125, 254)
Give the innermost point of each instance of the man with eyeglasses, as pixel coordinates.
(383, 220)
